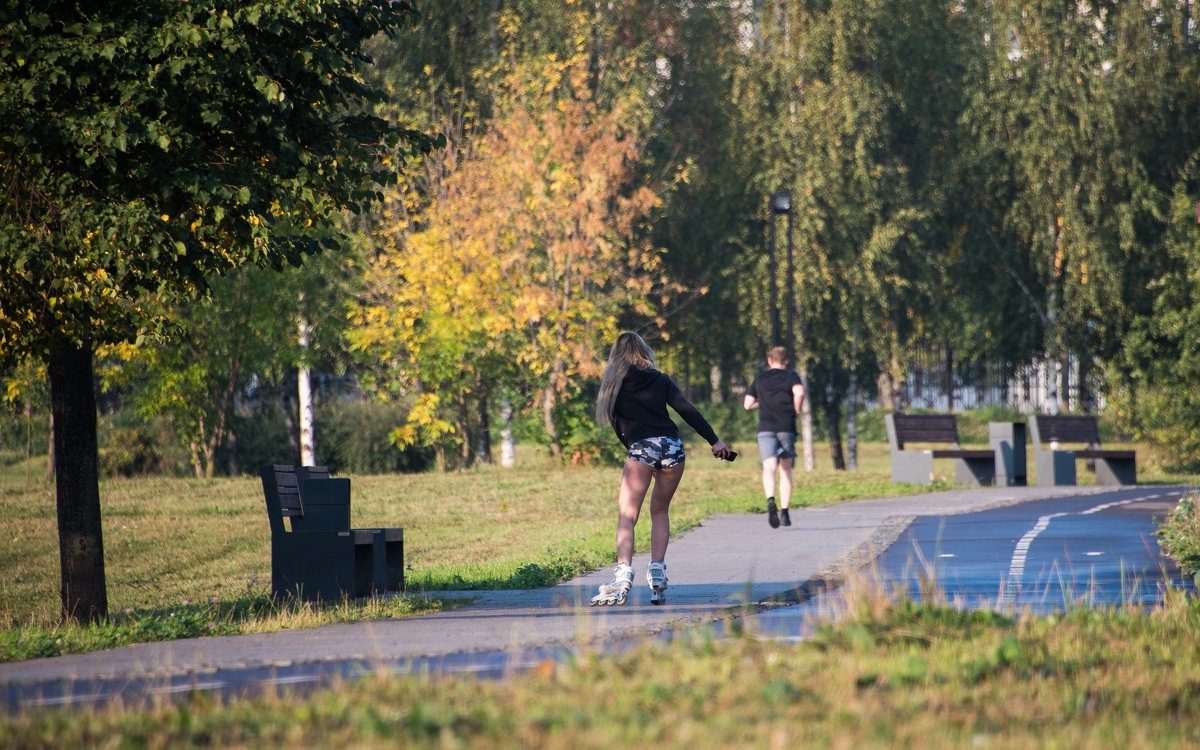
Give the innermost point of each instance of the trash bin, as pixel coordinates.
(1007, 439)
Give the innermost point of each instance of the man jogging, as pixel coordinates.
(777, 393)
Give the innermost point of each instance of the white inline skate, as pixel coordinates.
(617, 591)
(656, 576)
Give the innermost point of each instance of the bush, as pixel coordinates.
(262, 439)
(1179, 534)
(131, 446)
(352, 437)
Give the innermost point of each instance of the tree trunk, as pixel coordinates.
(483, 440)
(548, 420)
(949, 380)
(716, 394)
(887, 390)
(832, 418)
(28, 438)
(80, 539)
(197, 461)
(895, 376)
(508, 445)
(308, 454)
(233, 461)
(210, 460)
(50, 457)
(1084, 387)
(464, 449)
(852, 406)
(806, 425)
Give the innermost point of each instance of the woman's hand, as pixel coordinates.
(720, 450)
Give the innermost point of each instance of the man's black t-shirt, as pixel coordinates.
(776, 409)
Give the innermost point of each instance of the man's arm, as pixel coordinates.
(797, 397)
(749, 402)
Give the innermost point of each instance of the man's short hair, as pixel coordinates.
(777, 354)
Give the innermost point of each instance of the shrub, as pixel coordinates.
(132, 446)
(1179, 533)
(352, 437)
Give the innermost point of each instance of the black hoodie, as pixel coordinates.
(640, 410)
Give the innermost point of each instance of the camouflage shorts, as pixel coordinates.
(658, 452)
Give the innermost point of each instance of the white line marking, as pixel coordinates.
(211, 685)
(63, 699)
(1106, 506)
(291, 680)
(1016, 568)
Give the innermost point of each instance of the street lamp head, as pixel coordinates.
(781, 203)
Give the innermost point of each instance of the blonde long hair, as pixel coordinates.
(630, 350)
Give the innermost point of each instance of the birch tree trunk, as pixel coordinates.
(308, 456)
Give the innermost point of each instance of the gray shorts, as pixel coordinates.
(776, 445)
(658, 452)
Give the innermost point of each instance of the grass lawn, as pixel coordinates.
(187, 557)
(169, 540)
(891, 675)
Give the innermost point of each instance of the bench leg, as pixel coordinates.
(1054, 468)
(975, 471)
(317, 567)
(395, 565)
(370, 566)
(1116, 471)
(912, 467)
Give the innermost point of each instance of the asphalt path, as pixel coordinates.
(1020, 549)
(1042, 557)
(1039, 557)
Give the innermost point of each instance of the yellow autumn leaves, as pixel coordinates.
(509, 255)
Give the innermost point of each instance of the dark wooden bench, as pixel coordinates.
(1056, 466)
(320, 557)
(915, 466)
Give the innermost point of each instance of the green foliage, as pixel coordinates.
(562, 566)
(352, 438)
(149, 145)
(1162, 353)
(1179, 533)
(132, 446)
(186, 621)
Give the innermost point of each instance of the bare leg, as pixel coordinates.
(785, 481)
(768, 475)
(665, 483)
(635, 480)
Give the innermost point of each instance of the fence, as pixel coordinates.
(936, 383)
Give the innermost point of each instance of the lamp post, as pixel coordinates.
(771, 276)
(781, 203)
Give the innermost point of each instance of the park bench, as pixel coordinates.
(1055, 466)
(320, 557)
(915, 466)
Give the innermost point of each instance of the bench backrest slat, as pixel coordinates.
(923, 428)
(288, 491)
(281, 484)
(1065, 428)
